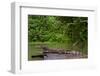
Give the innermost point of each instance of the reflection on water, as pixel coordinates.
(54, 56)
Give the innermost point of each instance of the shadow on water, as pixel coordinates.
(54, 56)
(54, 53)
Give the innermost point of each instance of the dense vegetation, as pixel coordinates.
(60, 30)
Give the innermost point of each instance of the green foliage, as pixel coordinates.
(58, 29)
(45, 28)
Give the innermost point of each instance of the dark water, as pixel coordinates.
(54, 56)
(51, 56)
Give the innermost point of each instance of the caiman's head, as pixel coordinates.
(44, 48)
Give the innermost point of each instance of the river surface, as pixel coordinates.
(51, 56)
